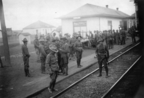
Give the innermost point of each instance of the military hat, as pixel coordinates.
(41, 39)
(53, 48)
(25, 40)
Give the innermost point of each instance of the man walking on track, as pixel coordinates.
(26, 56)
(79, 50)
(52, 67)
(102, 56)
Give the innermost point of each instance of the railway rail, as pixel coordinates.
(127, 77)
(87, 75)
(84, 77)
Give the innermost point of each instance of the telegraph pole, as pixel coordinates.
(4, 35)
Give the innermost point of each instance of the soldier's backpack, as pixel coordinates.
(101, 48)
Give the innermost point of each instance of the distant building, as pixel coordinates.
(37, 28)
(91, 18)
(26, 35)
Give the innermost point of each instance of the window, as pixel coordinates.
(109, 23)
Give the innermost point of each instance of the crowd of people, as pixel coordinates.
(112, 37)
(54, 53)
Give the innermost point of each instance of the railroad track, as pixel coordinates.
(87, 75)
(126, 85)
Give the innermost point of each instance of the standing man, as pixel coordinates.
(79, 50)
(26, 56)
(1, 63)
(36, 46)
(117, 37)
(123, 36)
(52, 66)
(102, 56)
(64, 51)
(42, 55)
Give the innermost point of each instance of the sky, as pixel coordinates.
(21, 13)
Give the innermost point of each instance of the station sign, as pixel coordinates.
(80, 23)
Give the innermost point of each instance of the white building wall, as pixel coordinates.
(104, 23)
(67, 26)
(93, 23)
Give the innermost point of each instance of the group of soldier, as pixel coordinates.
(54, 54)
(112, 37)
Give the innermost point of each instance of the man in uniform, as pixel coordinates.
(79, 49)
(26, 56)
(72, 50)
(52, 67)
(123, 36)
(114, 35)
(1, 63)
(117, 37)
(102, 56)
(120, 34)
(42, 54)
(64, 52)
(36, 46)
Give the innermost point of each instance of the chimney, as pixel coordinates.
(117, 9)
(106, 6)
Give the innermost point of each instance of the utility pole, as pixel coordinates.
(4, 35)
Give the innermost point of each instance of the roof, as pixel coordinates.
(38, 24)
(89, 10)
(24, 33)
(132, 16)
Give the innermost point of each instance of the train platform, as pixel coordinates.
(21, 88)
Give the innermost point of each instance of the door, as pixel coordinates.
(80, 28)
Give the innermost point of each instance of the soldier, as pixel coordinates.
(72, 51)
(42, 55)
(1, 63)
(117, 37)
(26, 56)
(52, 67)
(58, 44)
(64, 51)
(123, 36)
(132, 32)
(120, 33)
(102, 56)
(114, 36)
(109, 40)
(79, 49)
(36, 46)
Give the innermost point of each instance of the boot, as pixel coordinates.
(100, 72)
(50, 91)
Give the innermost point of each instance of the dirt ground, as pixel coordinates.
(10, 76)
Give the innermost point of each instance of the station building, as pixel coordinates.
(92, 18)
